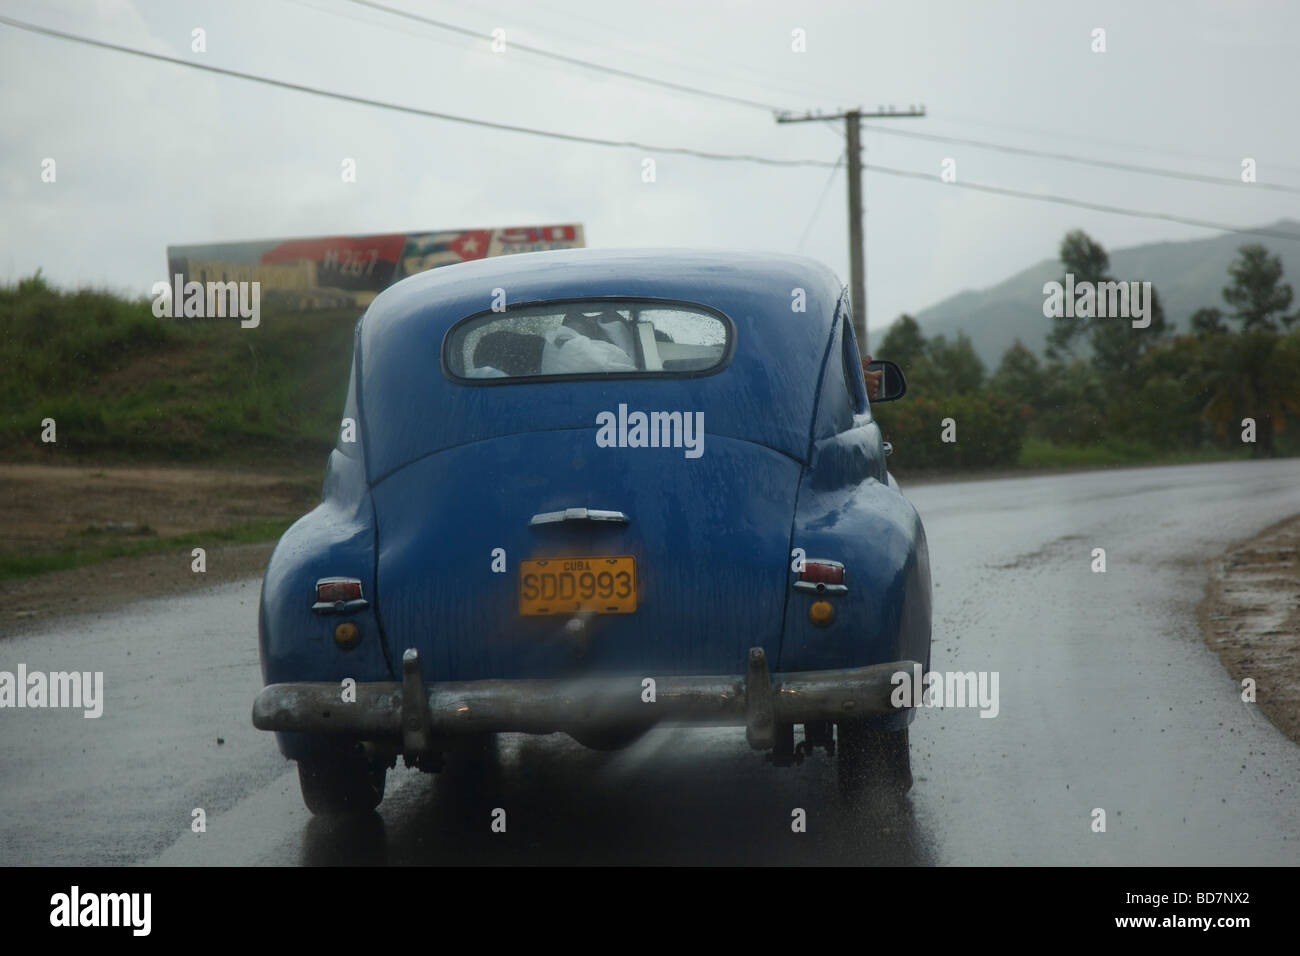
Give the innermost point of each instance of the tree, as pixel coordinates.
(1072, 411)
(1255, 377)
(904, 343)
(1255, 374)
(1087, 262)
(1208, 322)
(1171, 389)
(956, 364)
(1257, 292)
(1116, 344)
(1019, 376)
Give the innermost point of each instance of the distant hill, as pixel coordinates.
(1187, 275)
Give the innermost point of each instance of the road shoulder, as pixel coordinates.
(1250, 617)
(109, 585)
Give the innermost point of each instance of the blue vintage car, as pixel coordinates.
(589, 491)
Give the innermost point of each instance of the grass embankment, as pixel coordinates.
(124, 386)
(241, 420)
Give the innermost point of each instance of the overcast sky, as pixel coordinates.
(150, 154)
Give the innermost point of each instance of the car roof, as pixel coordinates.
(767, 393)
(711, 277)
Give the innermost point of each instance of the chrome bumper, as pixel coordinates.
(420, 714)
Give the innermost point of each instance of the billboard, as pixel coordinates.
(334, 272)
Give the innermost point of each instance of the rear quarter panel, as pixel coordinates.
(850, 510)
(335, 538)
(885, 615)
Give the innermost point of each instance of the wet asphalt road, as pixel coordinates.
(1108, 698)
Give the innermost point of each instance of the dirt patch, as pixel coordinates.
(110, 584)
(46, 506)
(83, 512)
(1251, 618)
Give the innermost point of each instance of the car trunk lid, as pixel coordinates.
(704, 542)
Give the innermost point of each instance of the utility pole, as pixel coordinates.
(857, 256)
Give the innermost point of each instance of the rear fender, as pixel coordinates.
(885, 613)
(337, 538)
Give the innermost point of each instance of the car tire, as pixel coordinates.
(341, 784)
(872, 759)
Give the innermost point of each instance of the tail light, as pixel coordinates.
(822, 576)
(339, 596)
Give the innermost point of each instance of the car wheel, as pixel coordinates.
(872, 759)
(341, 784)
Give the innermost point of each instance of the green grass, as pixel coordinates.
(1037, 453)
(84, 550)
(123, 385)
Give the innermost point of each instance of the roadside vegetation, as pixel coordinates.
(242, 419)
(125, 386)
(75, 552)
(1107, 394)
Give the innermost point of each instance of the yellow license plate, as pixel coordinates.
(602, 585)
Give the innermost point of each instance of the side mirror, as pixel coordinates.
(893, 384)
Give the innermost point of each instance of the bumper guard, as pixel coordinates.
(419, 714)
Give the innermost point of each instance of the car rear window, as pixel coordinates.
(611, 338)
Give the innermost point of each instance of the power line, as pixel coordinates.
(754, 104)
(745, 76)
(573, 60)
(371, 21)
(1082, 160)
(628, 144)
(1048, 197)
(604, 44)
(1084, 204)
(1095, 140)
(750, 79)
(412, 110)
(820, 202)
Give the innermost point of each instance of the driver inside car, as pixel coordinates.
(872, 377)
(584, 342)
